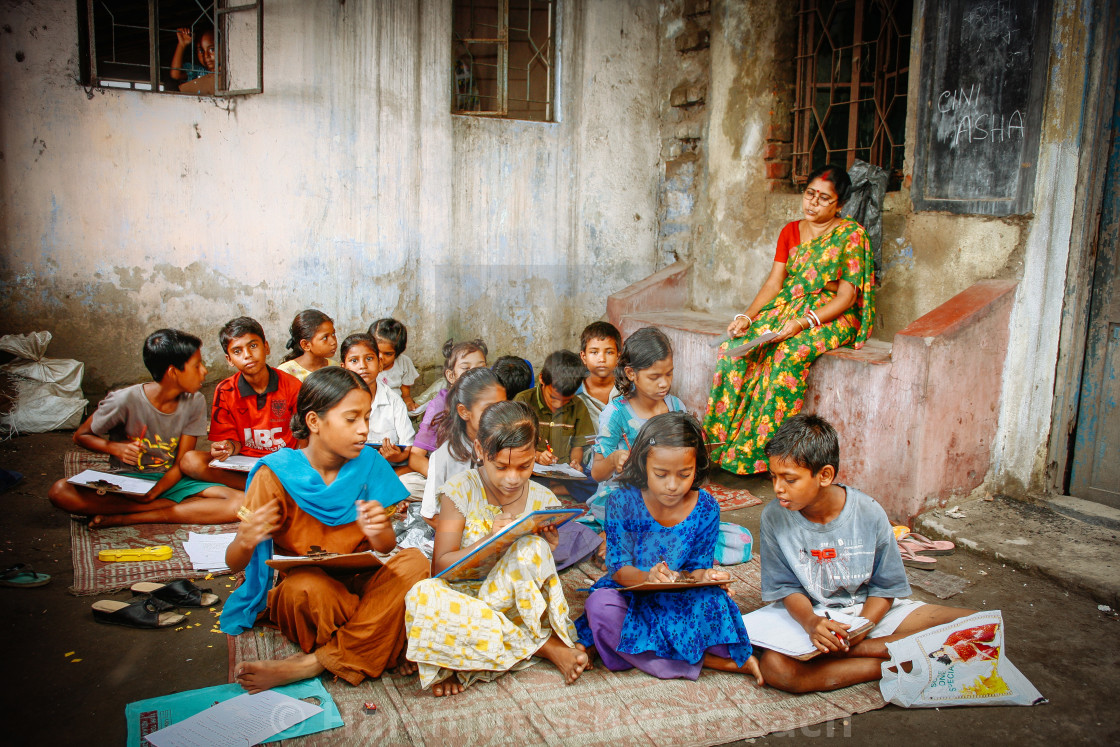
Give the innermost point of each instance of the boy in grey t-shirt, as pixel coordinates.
(146, 429)
(828, 547)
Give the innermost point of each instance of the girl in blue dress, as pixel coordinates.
(660, 528)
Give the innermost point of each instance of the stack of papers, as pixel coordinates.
(236, 463)
(244, 720)
(208, 551)
(774, 628)
(558, 470)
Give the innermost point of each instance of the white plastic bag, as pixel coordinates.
(959, 663)
(48, 390)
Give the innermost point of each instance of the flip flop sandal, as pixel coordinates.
(155, 552)
(144, 612)
(23, 576)
(900, 531)
(926, 546)
(180, 593)
(911, 560)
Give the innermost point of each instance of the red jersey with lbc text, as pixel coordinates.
(260, 422)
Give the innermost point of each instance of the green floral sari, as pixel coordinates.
(751, 396)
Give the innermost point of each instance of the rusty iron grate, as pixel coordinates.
(853, 65)
(503, 58)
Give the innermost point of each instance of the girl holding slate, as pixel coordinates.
(332, 494)
(466, 631)
(662, 529)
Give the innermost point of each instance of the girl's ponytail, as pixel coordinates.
(303, 328)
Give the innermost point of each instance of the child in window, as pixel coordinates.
(252, 410)
(829, 547)
(397, 371)
(205, 58)
(311, 344)
(333, 495)
(146, 429)
(661, 527)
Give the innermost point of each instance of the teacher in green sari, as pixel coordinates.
(820, 295)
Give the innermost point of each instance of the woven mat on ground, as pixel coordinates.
(941, 585)
(730, 499)
(531, 707)
(91, 576)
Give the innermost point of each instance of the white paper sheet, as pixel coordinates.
(236, 463)
(208, 551)
(244, 720)
(557, 470)
(123, 483)
(774, 628)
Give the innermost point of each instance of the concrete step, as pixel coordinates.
(1033, 537)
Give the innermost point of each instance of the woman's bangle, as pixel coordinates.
(744, 316)
(815, 318)
(807, 323)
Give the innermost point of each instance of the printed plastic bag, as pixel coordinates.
(48, 390)
(958, 663)
(734, 544)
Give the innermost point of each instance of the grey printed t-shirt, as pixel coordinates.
(837, 564)
(127, 414)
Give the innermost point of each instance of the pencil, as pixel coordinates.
(626, 441)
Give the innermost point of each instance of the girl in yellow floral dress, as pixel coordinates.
(820, 295)
(465, 631)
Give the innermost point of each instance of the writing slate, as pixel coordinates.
(980, 112)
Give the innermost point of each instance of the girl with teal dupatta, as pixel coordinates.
(819, 296)
(330, 495)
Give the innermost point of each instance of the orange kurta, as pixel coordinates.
(354, 623)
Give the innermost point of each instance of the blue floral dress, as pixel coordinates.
(677, 625)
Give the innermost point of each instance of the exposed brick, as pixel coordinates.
(679, 96)
(689, 131)
(777, 170)
(697, 94)
(782, 131)
(682, 166)
(776, 151)
(691, 41)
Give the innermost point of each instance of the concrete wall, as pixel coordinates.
(346, 186)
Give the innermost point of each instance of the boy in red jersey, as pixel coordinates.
(252, 409)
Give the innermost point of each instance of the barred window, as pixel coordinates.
(853, 66)
(503, 57)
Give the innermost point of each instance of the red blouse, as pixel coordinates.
(787, 239)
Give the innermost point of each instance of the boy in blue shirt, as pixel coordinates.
(828, 547)
(146, 429)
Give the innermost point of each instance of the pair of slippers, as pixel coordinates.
(919, 551)
(154, 605)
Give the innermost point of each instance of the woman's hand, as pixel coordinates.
(660, 574)
(260, 525)
(739, 326)
(551, 536)
(789, 329)
(373, 521)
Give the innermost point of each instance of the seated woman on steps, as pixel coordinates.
(332, 494)
(466, 631)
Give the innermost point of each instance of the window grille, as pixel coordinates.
(853, 65)
(503, 58)
(131, 43)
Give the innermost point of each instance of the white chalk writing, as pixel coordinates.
(974, 126)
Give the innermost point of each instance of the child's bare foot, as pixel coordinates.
(570, 661)
(104, 521)
(404, 667)
(590, 651)
(450, 686)
(257, 676)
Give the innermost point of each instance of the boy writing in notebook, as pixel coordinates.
(252, 411)
(146, 429)
(827, 547)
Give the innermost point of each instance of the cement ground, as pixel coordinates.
(1056, 636)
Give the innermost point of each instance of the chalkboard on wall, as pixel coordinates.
(983, 73)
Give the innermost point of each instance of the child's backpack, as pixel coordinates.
(733, 545)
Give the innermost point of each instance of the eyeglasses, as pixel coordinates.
(812, 194)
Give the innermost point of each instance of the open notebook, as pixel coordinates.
(772, 627)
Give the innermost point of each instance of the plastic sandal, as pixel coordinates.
(155, 552)
(179, 593)
(926, 546)
(144, 612)
(916, 561)
(23, 576)
(900, 531)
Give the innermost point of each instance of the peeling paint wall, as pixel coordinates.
(347, 186)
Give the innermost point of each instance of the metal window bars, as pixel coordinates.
(503, 58)
(238, 38)
(852, 64)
